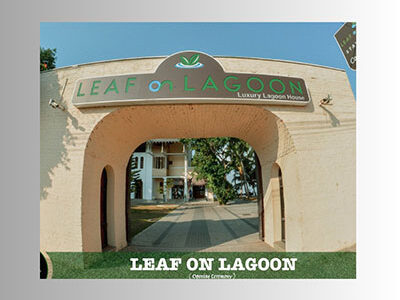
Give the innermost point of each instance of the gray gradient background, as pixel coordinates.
(377, 53)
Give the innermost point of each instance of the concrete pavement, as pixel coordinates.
(204, 226)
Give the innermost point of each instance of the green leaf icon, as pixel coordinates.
(184, 60)
(194, 59)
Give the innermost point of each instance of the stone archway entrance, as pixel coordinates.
(111, 145)
(314, 146)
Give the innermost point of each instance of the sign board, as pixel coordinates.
(346, 39)
(190, 77)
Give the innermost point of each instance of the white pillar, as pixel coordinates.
(165, 188)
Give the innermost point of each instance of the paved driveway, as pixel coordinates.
(204, 226)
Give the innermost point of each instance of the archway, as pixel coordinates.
(227, 217)
(110, 145)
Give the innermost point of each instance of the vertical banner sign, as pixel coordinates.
(346, 39)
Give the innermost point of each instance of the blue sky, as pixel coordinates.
(79, 43)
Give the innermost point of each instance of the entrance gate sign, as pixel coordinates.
(346, 39)
(190, 77)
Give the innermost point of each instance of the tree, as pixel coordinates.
(168, 186)
(133, 174)
(47, 58)
(215, 158)
(243, 159)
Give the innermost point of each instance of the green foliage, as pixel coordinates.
(194, 59)
(184, 60)
(161, 189)
(133, 175)
(47, 58)
(190, 62)
(327, 265)
(243, 158)
(168, 185)
(215, 158)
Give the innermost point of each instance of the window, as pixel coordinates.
(135, 163)
(159, 163)
(141, 162)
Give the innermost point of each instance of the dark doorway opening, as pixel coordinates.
(103, 209)
(199, 191)
(282, 202)
(260, 194)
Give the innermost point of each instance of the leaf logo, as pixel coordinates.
(191, 63)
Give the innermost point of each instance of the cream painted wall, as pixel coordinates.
(177, 168)
(156, 189)
(314, 146)
(175, 148)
